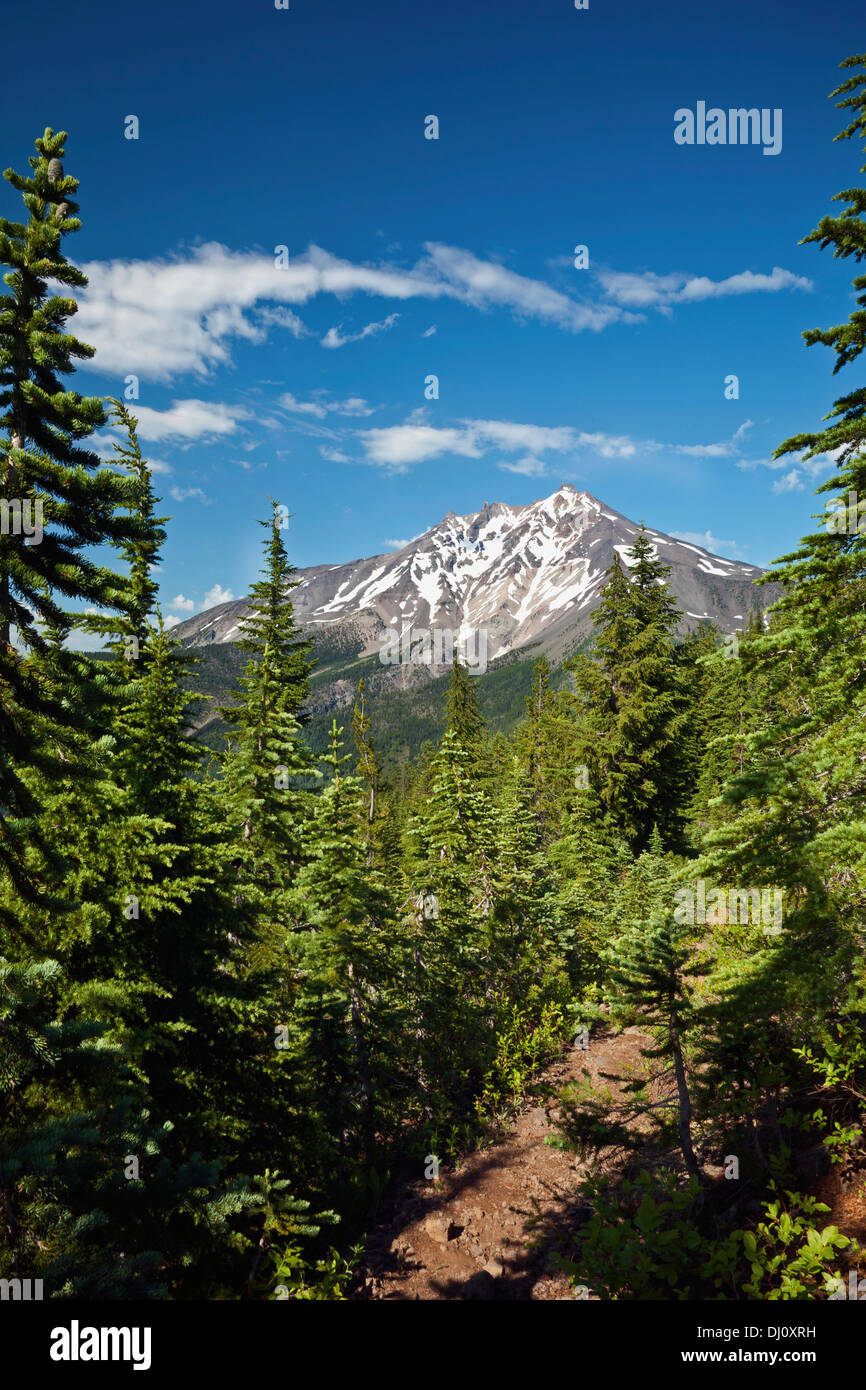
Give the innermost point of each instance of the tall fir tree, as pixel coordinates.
(797, 821)
(634, 701)
(352, 1006)
(55, 490)
(462, 715)
(268, 767)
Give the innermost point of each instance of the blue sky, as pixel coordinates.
(305, 128)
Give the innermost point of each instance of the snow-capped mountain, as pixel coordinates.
(525, 574)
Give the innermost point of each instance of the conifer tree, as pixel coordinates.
(71, 1209)
(53, 487)
(271, 623)
(195, 1014)
(451, 869)
(649, 966)
(588, 863)
(368, 769)
(141, 551)
(268, 765)
(352, 1007)
(463, 717)
(634, 701)
(797, 809)
(528, 960)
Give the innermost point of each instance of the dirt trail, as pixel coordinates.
(488, 1229)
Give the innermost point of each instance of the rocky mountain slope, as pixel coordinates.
(523, 576)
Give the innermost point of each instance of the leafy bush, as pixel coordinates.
(647, 1241)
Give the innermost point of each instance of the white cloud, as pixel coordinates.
(505, 434)
(190, 419)
(103, 447)
(706, 451)
(647, 290)
(790, 482)
(215, 596)
(333, 455)
(813, 468)
(283, 318)
(746, 282)
(182, 313)
(529, 466)
(429, 332)
(396, 447)
(335, 339)
(725, 448)
(290, 402)
(170, 621)
(610, 446)
(355, 405)
(398, 545)
(183, 605)
(183, 494)
(486, 284)
(320, 406)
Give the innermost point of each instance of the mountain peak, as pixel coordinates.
(526, 574)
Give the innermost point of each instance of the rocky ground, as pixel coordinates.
(489, 1229)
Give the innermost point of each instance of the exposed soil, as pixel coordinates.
(847, 1203)
(488, 1229)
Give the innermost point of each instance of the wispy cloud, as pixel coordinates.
(182, 313)
(647, 290)
(724, 448)
(185, 494)
(320, 406)
(397, 447)
(789, 482)
(802, 472)
(486, 285)
(529, 466)
(335, 339)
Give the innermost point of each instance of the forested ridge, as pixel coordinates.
(247, 991)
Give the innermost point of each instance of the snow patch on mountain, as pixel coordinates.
(524, 574)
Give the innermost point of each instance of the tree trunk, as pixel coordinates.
(684, 1100)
